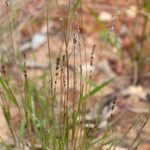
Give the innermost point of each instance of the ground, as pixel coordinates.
(125, 55)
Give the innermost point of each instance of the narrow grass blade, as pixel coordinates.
(101, 139)
(97, 89)
(8, 91)
(67, 128)
(28, 95)
(76, 4)
(22, 127)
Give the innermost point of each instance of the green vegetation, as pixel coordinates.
(49, 115)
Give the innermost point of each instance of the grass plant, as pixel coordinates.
(49, 116)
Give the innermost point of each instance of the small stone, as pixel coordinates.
(37, 40)
(105, 16)
(132, 11)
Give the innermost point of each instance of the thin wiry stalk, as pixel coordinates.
(63, 21)
(86, 73)
(67, 74)
(49, 49)
(126, 133)
(28, 108)
(141, 129)
(51, 96)
(74, 84)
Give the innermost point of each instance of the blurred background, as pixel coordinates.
(120, 30)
